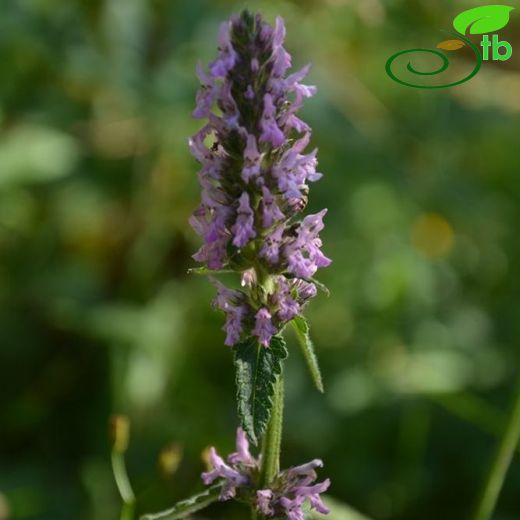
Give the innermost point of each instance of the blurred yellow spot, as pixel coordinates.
(205, 457)
(118, 139)
(120, 432)
(4, 508)
(432, 235)
(170, 459)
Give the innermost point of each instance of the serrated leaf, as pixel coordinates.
(301, 327)
(256, 370)
(188, 506)
(483, 19)
(451, 45)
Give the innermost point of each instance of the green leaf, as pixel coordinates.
(256, 370)
(301, 327)
(482, 20)
(188, 506)
(205, 271)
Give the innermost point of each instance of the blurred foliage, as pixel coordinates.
(418, 340)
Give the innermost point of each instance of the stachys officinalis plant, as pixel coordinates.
(255, 170)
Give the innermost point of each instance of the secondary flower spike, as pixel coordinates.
(254, 177)
(285, 497)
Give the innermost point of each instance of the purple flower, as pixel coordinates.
(251, 159)
(288, 307)
(290, 490)
(294, 170)
(281, 58)
(236, 309)
(207, 94)
(243, 229)
(249, 93)
(264, 499)
(271, 133)
(264, 329)
(303, 253)
(270, 249)
(237, 473)
(305, 471)
(248, 278)
(312, 493)
(229, 107)
(227, 55)
(286, 494)
(220, 470)
(293, 507)
(305, 290)
(233, 326)
(271, 213)
(226, 298)
(299, 487)
(254, 175)
(242, 455)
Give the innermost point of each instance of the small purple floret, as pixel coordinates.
(264, 329)
(243, 229)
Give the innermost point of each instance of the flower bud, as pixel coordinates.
(120, 432)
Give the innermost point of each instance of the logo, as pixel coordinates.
(479, 20)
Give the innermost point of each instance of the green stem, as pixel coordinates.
(273, 437)
(127, 511)
(123, 485)
(271, 443)
(501, 463)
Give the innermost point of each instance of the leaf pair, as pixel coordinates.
(258, 367)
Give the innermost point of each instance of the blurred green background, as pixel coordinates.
(417, 341)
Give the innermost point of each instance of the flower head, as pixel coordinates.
(286, 494)
(254, 178)
(295, 486)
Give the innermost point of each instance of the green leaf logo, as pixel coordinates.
(482, 20)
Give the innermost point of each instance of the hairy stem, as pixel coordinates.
(504, 455)
(273, 437)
